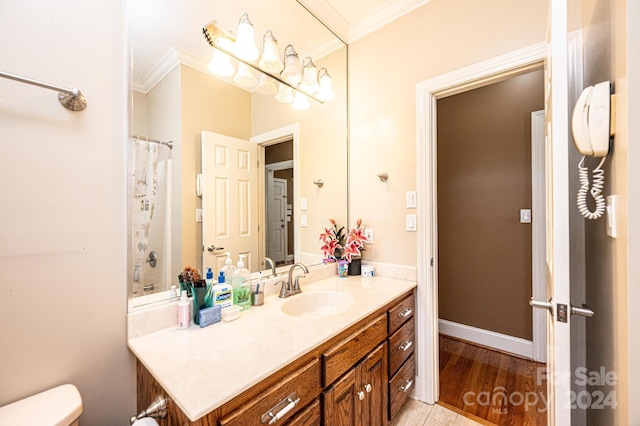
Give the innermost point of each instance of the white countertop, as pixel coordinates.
(202, 368)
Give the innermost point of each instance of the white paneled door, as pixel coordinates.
(229, 200)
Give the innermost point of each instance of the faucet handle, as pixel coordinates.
(296, 285)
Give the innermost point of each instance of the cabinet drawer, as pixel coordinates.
(402, 312)
(305, 383)
(400, 386)
(310, 416)
(345, 354)
(401, 346)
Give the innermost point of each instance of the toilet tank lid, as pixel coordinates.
(59, 406)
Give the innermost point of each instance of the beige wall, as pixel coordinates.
(384, 69)
(63, 243)
(323, 150)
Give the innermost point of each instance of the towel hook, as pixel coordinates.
(319, 182)
(383, 176)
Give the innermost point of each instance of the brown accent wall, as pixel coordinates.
(484, 179)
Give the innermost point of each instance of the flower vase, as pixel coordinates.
(355, 266)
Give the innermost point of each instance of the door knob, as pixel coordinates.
(541, 304)
(213, 248)
(584, 311)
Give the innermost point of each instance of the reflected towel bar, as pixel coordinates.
(143, 138)
(72, 99)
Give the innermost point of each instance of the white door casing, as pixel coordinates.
(229, 200)
(557, 191)
(427, 93)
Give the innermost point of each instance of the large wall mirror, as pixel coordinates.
(244, 173)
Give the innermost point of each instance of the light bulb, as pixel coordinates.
(285, 94)
(244, 77)
(325, 93)
(221, 64)
(266, 86)
(270, 61)
(301, 102)
(291, 73)
(245, 46)
(309, 81)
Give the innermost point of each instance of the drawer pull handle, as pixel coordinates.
(361, 395)
(405, 312)
(405, 346)
(281, 409)
(406, 385)
(367, 388)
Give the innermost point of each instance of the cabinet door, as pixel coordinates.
(341, 404)
(372, 375)
(310, 416)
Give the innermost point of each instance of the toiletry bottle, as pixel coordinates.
(222, 294)
(184, 314)
(241, 283)
(208, 298)
(228, 269)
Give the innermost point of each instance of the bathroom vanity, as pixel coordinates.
(290, 362)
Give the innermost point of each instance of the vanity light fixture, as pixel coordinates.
(270, 61)
(300, 102)
(325, 93)
(245, 77)
(245, 45)
(296, 83)
(309, 81)
(291, 73)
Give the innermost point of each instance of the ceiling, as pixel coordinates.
(164, 32)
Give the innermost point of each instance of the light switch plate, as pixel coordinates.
(411, 199)
(368, 232)
(198, 215)
(303, 220)
(525, 215)
(611, 209)
(303, 203)
(411, 223)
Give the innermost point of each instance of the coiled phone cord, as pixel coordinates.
(595, 191)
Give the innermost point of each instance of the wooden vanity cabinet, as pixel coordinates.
(402, 334)
(359, 398)
(355, 378)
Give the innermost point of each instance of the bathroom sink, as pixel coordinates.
(318, 304)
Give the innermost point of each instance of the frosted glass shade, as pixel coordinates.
(285, 94)
(245, 77)
(301, 102)
(270, 61)
(220, 64)
(245, 46)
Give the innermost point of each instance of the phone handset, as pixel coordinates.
(591, 128)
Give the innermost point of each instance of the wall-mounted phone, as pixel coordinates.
(592, 130)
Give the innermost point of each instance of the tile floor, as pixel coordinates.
(416, 413)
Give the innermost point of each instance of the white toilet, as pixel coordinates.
(59, 406)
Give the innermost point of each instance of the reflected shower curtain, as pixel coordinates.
(145, 185)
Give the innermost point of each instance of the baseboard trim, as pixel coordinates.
(502, 342)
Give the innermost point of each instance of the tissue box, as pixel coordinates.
(367, 271)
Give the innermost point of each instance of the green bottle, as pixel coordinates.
(241, 283)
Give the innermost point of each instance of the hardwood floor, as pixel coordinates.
(497, 387)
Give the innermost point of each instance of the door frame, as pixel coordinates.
(427, 93)
(271, 137)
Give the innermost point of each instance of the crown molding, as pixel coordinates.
(328, 16)
(382, 16)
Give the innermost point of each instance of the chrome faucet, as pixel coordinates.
(292, 286)
(271, 264)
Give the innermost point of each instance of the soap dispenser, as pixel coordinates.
(241, 283)
(228, 269)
